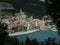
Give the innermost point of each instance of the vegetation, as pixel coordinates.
(7, 40)
(49, 41)
(53, 9)
(37, 8)
(4, 38)
(32, 7)
(6, 15)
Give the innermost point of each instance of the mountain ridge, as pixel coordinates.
(32, 7)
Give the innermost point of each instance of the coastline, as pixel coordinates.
(23, 32)
(27, 32)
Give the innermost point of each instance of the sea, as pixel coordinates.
(40, 36)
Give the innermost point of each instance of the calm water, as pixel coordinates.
(40, 36)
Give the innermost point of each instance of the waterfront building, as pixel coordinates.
(48, 20)
(22, 22)
(5, 21)
(28, 25)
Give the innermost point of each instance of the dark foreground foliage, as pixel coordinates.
(6, 40)
(49, 41)
(53, 9)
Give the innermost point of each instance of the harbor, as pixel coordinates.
(30, 31)
(29, 22)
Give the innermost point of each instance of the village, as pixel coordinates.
(23, 22)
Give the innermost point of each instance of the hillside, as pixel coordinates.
(32, 7)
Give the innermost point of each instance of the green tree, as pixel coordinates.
(31, 42)
(50, 41)
(27, 42)
(4, 38)
(53, 9)
(34, 42)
